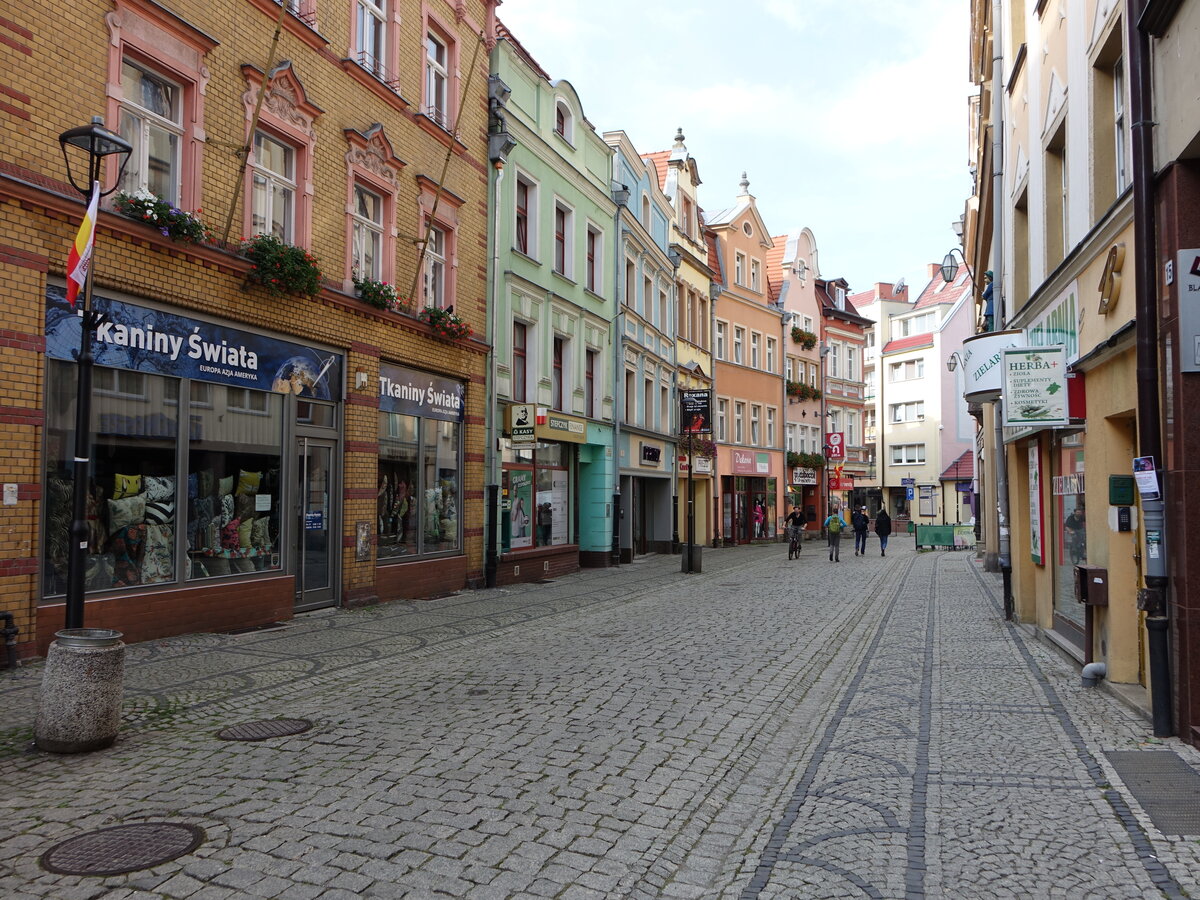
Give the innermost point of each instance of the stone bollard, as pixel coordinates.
(82, 685)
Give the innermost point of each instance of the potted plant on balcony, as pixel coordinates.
(282, 268)
(380, 295)
(806, 339)
(697, 445)
(173, 222)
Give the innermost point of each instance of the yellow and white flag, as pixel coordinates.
(80, 257)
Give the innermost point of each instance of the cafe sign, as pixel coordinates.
(804, 477)
(1035, 387)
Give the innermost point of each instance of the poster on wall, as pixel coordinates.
(521, 514)
(1036, 552)
(162, 343)
(695, 413)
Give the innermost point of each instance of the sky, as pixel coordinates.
(849, 117)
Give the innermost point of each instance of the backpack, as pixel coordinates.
(835, 524)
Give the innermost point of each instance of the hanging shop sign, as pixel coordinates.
(162, 343)
(835, 445)
(556, 426)
(695, 412)
(802, 476)
(416, 393)
(521, 427)
(1035, 386)
(1188, 274)
(841, 483)
(981, 363)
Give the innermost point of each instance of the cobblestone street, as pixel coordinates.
(768, 729)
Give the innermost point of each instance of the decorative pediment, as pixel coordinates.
(285, 97)
(1056, 97)
(371, 150)
(1104, 11)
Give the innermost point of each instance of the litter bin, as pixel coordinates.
(82, 686)
(696, 554)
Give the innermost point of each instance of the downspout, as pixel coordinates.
(1149, 419)
(620, 197)
(714, 291)
(492, 563)
(998, 307)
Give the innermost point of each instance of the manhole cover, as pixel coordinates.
(267, 728)
(121, 849)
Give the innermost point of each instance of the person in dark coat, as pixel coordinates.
(883, 528)
(861, 523)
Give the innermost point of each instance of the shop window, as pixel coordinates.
(152, 122)
(131, 503)
(538, 487)
(233, 484)
(418, 486)
(274, 188)
(440, 500)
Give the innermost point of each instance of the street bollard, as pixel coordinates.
(82, 685)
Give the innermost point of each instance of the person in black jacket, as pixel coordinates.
(862, 524)
(883, 528)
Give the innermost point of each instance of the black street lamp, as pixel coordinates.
(95, 144)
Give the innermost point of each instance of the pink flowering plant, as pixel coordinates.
(175, 223)
(282, 268)
(381, 295)
(697, 445)
(445, 323)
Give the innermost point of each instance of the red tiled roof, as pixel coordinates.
(503, 34)
(658, 162)
(908, 343)
(962, 469)
(938, 291)
(775, 274)
(714, 258)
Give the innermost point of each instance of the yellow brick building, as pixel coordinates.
(331, 452)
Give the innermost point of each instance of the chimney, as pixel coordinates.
(935, 270)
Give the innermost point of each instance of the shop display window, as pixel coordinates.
(537, 488)
(418, 484)
(441, 500)
(131, 504)
(233, 484)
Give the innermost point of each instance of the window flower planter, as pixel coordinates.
(444, 323)
(283, 269)
(174, 223)
(805, 339)
(381, 295)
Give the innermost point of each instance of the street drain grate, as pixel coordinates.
(1166, 787)
(121, 849)
(266, 728)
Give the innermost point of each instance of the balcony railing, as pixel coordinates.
(373, 65)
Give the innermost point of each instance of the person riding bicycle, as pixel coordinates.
(795, 523)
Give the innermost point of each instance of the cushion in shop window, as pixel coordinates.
(248, 482)
(126, 486)
(129, 511)
(99, 574)
(159, 487)
(97, 533)
(160, 513)
(243, 506)
(227, 509)
(260, 536)
(226, 486)
(193, 485)
(205, 510)
(157, 560)
(217, 565)
(229, 536)
(245, 532)
(208, 482)
(128, 545)
(212, 535)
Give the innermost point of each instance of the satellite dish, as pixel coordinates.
(899, 286)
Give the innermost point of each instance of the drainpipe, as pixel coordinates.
(998, 308)
(492, 559)
(10, 639)
(714, 292)
(620, 195)
(1149, 420)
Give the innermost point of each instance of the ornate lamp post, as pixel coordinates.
(91, 145)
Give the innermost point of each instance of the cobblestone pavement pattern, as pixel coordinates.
(768, 729)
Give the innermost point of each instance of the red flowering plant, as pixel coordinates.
(283, 269)
(381, 295)
(697, 445)
(175, 223)
(445, 323)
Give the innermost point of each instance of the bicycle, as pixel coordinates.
(795, 542)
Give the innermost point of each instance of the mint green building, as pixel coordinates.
(550, 448)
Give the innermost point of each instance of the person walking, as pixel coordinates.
(834, 526)
(862, 524)
(883, 529)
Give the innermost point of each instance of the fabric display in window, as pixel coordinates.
(126, 486)
(97, 533)
(127, 511)
(260, 534)
(229, 535)
(128, 544)
(227, 509)
(159, 489)
(243, 506)
(226, 486)
(248, 482)
(99, 572)
(58, 522)
(160, 512)
(157, 560)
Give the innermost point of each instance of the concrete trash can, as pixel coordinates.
(696, 554)
(82, 686)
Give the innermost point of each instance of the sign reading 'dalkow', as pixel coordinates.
(1035, 386)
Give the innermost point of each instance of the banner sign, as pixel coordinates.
(801, 476)
(835, 445)
(844, 483)
(695, 412)
(161, 343)
(981, 362)
(1035, 386)
(415, 393)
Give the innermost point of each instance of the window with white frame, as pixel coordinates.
(755, 424)
(839, 297)
(557, 373)
(595, 259)
(563, 239)
(664, 408)
(770, 426)
(755, 341)
(792, 435)
(909, 370)
(437, 79)
(152, 123)
(739, 340)
(370, 26)
(720, 339)
(851, 363)
(663, 321)
(435, 268)
(908, 454)
(813, 374)
(366, 262)
(564, 122)
(274, 188)
(630, 298)
(739, 268)
(835, 420)
(1119, 125)
(648, 402)
(722, 420)
(808, 324)
(852, 429)
(908, 412)
(739, 422)
(834, 360)
(922, 323)
(525, 223)
(647, 297)
(770, 354)
(755, 275)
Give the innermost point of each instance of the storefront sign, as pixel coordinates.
(981, 363)
(907, 482)
(746, 462)
(835, 446)
(695, 412)
(1188, 269)
(521, 423)
(1035, 386)
(651, 455)
(415, 393)
(161, 343)
(841, 483)
(1058, 325)
(559, 427)
(802, 476)
(703, 464)
(1067, 485)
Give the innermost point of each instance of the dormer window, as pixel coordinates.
(839, 297)
(563, 122)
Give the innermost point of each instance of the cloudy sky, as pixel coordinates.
(848, 116)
